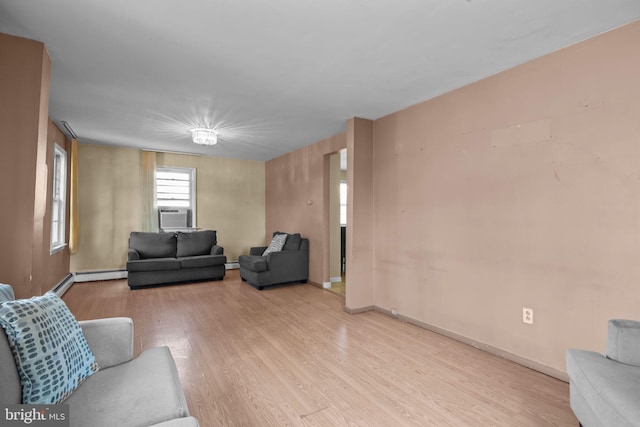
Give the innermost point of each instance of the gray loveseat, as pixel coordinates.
(125, 392)
(605, 389)
(166, 258)
(290, 264)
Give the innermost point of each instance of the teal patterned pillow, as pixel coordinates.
(52, 356)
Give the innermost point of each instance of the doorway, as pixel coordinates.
(338, 222)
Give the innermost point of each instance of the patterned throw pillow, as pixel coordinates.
(52, 356)
(276, 245)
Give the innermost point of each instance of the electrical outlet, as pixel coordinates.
(527, 315)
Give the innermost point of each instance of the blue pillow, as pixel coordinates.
(52, 355)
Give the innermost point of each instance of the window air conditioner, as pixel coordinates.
(174, 218)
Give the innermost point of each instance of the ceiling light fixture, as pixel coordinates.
(204, 136)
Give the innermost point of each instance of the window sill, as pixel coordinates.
(57, 248)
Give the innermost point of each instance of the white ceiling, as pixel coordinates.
(273, 76)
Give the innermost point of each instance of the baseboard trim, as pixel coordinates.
(359, 310)
(232, 265)
(96, 276)
(336, 279)
(539, 367)
(61, 287)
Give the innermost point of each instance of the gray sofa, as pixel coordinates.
(605, 389)
(166, 258)
(125, 392)
(291, 264)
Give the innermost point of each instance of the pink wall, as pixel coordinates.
(522, 189)
(26, 171)
(519, 190)
(295, 198)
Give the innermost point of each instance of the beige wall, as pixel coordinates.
(519, 190)
(297, 195)
(27, 136)
(230, 199)
(108, 206)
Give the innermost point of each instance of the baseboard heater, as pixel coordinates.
(63, 285)
(95, 276)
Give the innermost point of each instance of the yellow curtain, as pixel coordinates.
(148, 211)
(74, 224)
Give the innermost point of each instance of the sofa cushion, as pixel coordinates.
(196, 243)
(153, 245)
(276, 245)
(623, 341)
(142, 392)
(609, 388)
(254, 263)
(202, 261)
(153, 264)
(50, 351)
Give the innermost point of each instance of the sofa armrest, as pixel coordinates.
(217, 250)
(623, 341)
(257, 250)
(133, 255)
(110, 340)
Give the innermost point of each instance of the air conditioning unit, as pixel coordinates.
(171, 218)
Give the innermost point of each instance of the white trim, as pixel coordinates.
(335, 279)
(95, 276)
(232, 265)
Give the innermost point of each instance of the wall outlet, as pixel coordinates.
(527, 315)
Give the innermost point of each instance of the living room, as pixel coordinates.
(516, 191)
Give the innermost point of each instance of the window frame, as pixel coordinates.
(58, 234)
(192, 189)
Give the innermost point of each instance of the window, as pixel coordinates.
(176, 188)
(59, 199)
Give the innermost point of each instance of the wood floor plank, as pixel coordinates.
(291, 356)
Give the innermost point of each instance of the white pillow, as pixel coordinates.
(276, 245)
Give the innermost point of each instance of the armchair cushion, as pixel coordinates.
(51, 353)
(623, 341)
(293, 241)
(196, 243)
(142, 392)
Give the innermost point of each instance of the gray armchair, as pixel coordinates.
(605, 388)
(291, 264)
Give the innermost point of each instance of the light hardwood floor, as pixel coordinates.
(290, 356)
